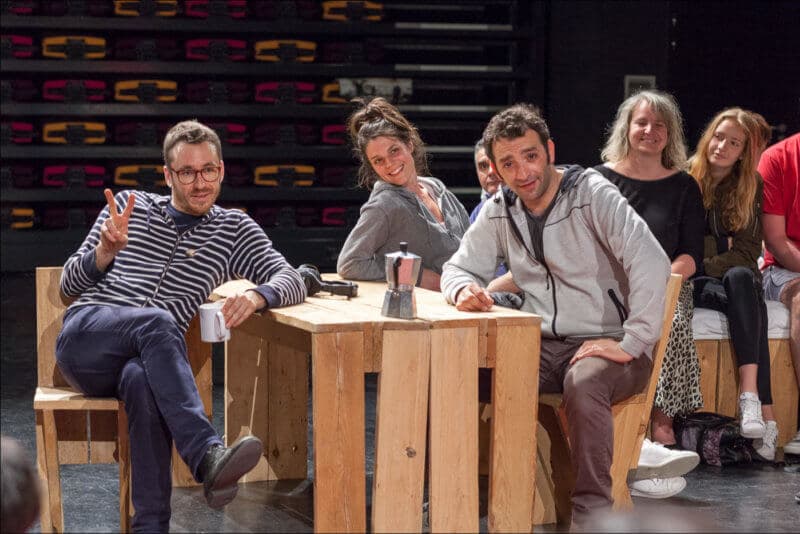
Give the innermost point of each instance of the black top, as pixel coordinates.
(672, 208)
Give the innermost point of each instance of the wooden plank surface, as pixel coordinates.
(52, 470)
(323, 313)
(784, 389)
(246, 396)
(125, 495)
(627, 427)
(708, 356)
(45, 517)
(454, 430)
(50, 308)
(66, 398)
(286, 447)
(73, 447)
(544, 504)
(727, 380)
(199, 355)
(401, 431)
(555, 488)
(338, 411)
(515, 390)
(103, 425)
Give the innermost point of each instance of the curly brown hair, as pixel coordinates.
(512, 123)
(378, 118)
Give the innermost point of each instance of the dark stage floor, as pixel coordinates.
(751, 498)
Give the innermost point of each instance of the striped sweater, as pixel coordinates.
(163, 268)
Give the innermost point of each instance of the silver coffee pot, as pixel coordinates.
(402, 271)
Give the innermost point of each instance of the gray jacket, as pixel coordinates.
(393, 214)
(603, 273)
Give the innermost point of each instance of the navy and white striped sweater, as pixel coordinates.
(163, 268)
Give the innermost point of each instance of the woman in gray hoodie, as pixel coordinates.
(403, 205)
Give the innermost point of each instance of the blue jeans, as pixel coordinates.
(138, 355)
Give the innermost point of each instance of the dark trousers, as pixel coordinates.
(741, 298)
(589, 388)
(139, 356)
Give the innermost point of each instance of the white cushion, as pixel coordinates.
(710, 324)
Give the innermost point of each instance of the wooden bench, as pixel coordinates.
(74, 429)
(719, 381)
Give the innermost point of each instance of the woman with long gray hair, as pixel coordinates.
(645, 157)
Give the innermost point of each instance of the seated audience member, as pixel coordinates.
(487, 177)
(404, 205)
(780, 218)
(561, 233)
(724, 165)
(20, 487)
(645, 154)
(490, 184)
(763, 133)
(140, 276)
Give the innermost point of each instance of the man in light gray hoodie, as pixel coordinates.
(588, 264)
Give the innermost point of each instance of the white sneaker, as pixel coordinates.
(793, 447)
(765, 447)
(657, 488)
(752, 424)
(658, 462)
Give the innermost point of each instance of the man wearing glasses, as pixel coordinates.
(140, 275)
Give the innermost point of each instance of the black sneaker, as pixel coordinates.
(222, 467)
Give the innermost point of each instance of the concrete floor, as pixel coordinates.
(748, 498)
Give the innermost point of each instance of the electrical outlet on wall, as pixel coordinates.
(638, 82)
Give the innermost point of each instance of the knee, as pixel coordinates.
(159, 319)
(793, 301)
(132, 379)
(160, 327)
(582, 392)
(739, 278)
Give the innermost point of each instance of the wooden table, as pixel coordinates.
(428, 379)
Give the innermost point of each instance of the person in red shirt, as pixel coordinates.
(780, 218)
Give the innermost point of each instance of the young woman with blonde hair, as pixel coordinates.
(724, 166)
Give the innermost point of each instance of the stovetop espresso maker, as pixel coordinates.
(402, 271)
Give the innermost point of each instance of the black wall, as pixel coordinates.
(743, 54)
(709, 54)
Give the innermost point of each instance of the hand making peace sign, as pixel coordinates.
(113, 231)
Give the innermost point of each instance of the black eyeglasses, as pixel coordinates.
(188, 176)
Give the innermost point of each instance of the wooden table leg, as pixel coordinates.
(338, 417)
(454, 430)
(199, 354)
(400, 432)
(266, 394)
(515, 393)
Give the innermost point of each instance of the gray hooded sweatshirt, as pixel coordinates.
(600, 271)
(393, 214)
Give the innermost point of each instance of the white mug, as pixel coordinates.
(212, 323)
